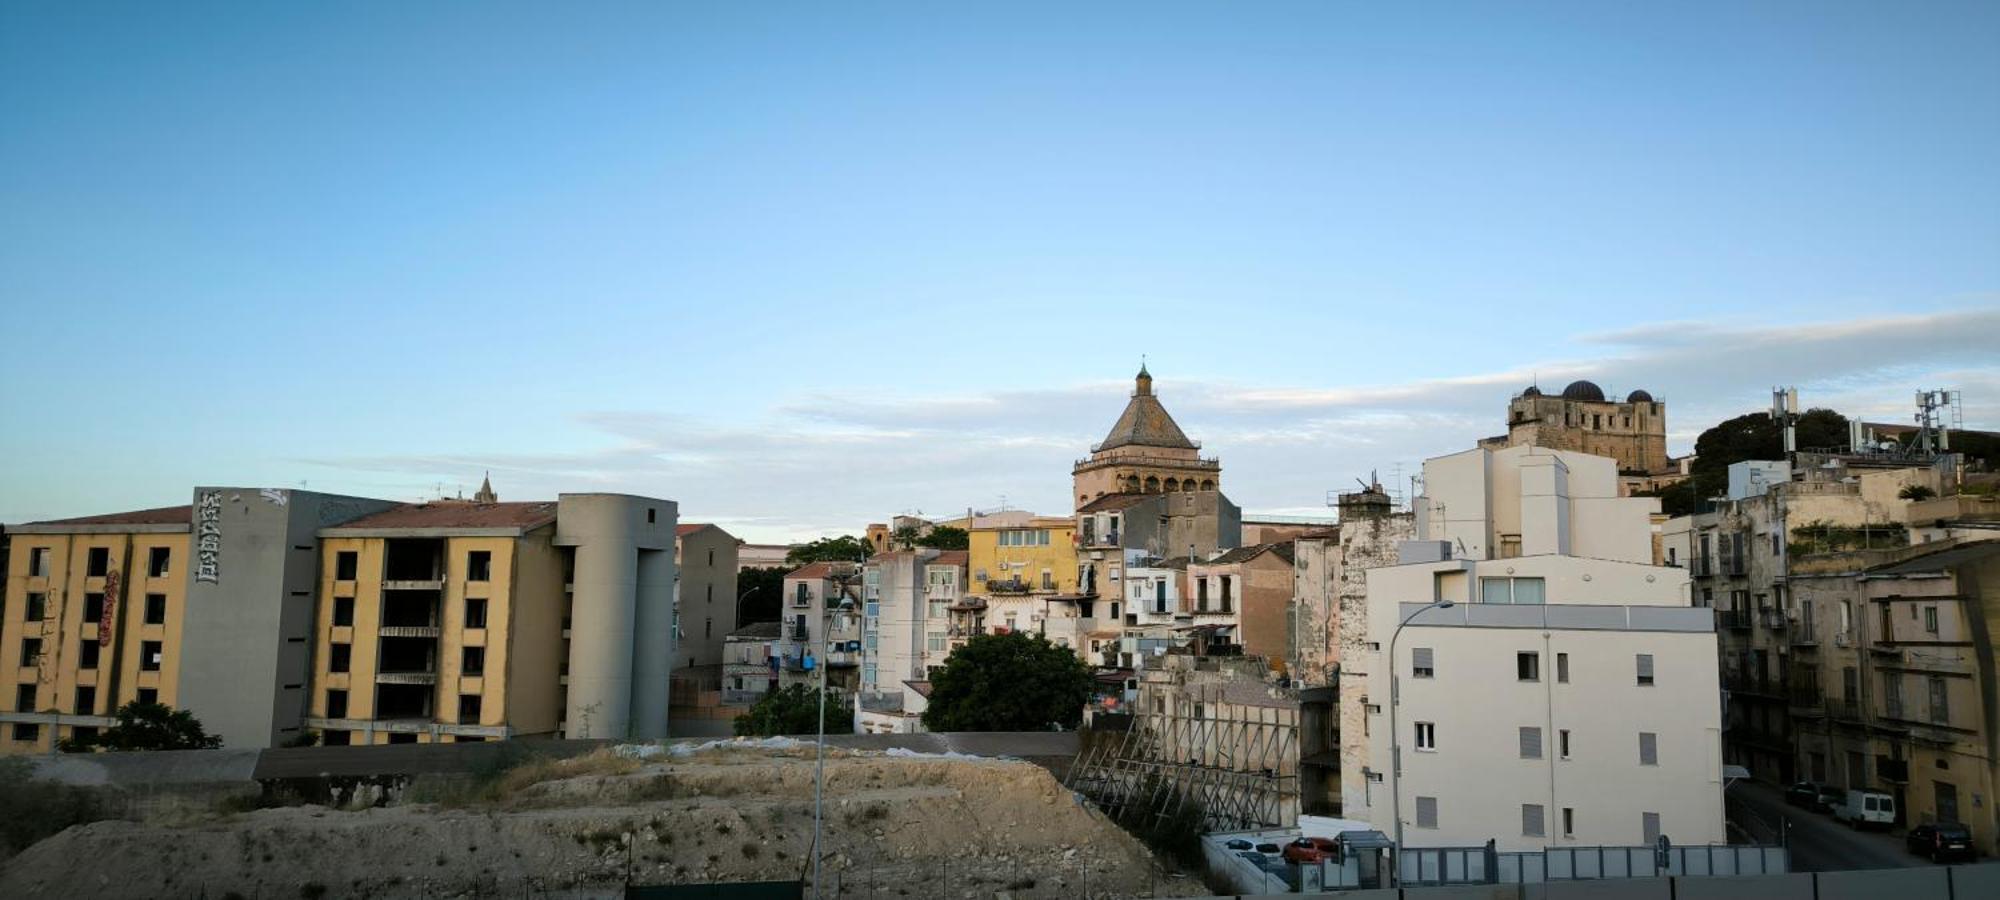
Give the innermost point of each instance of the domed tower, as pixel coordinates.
(1585, 419)
(1145, 453)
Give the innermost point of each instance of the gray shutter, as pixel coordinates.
(1420, 659)
(1531, 742)
(1427, 812)
(1531, 819)
(1649, 748)
(1645, 668)
(1650, 821)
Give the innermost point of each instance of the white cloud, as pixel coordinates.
(831, 462)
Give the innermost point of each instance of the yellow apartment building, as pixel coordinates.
(441, 622)
(1016, 569)
(91, 621)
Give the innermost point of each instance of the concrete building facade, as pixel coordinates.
(815, 631)
(705, 596)
(1569, 694)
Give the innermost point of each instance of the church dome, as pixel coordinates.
(1532, 391)
(1583, 390)
(1639, 397)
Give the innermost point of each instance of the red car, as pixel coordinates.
(1311, 850)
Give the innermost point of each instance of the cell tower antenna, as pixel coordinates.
(1785, 411)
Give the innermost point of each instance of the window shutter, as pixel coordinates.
(1421, 659)
(1649, 749)
(1531, 819)
(1650, 821)
(1427, 812)
(1645, 668)
(1531, 743)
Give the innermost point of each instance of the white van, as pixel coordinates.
(1867, 809)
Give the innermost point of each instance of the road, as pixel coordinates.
(1818, 842)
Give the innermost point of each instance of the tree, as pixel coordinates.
(906, 537)
(1008, 682)
(37, 808)
(150, 726)
(946, 537)
(1916, 492)
(846, 548)
(1748, 436)
(763, 593)
(791, 711)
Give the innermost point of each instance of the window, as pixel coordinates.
(479, 565)
(31, 651)
(1562, 668)
(97, 562)
(93, 607)
(87, 652)
(1528, 666)
(1531, 742)
(38, 607)
(1569, 821)
(149, 696)
(1531, 819)
(156, 609)
(1562, 743)
(27, 731)
(336, 704)
(1421, 663)
(38, 562)
(1930, 619)
(1645, 663)
(1201, 594)
(339, 657)
(1048, 580)
(149, 656)
(1649, 822)
(1524, 591)
(1427, 812)
(1940, 714)
(157, 561)
(473, 661)
(468, 708)
(475, 612)
(1228, 592)
(652, 515)
(24, 698)
(346, 565)
(1649, 748)
(86, 700)
(1426, 735)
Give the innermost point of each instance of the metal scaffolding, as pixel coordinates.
(1191, 744)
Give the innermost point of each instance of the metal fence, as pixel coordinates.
(1478, 865)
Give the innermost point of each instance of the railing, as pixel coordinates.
(1010, 586)
(1806, 697)
(1804, 637)
(1774, 619)
(1737, 619)
(801, 633)
(1848, 708)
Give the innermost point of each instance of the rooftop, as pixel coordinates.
(161, 515)
(453, 515)
(1145, 423)
(758, 631)
(1115, 502)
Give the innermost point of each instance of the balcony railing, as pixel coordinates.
(1774, 619)
(1806, 697)
(406, 678)
(1737, 619)
(801, 633)
(1010, 586)
(412, 631)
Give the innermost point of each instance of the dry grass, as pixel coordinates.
(538, 770)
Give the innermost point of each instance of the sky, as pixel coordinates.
(802, 267)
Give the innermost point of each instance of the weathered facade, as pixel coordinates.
(1632, 431)
(1145, 452)
(705, 596)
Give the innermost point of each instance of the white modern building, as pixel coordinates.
(906, 600)
(1551, 686)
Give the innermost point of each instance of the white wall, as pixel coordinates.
(1558, 501)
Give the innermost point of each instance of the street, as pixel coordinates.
(1819, 843)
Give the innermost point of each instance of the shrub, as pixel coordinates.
(37, 808)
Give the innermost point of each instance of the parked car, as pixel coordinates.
(1866, 809)
(1312, 850)
(1238, 844)
(1830, 798)
(1942, 842)
(1804, 794)
(1269, 849)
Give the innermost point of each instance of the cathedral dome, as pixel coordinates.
(1583, 390)
(1638, 397)
(1532, 391)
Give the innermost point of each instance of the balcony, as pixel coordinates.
(1807, 699)
(801, 633)
(406, 678)
(1774, 619)
(1733, 619)
(1804, 639)
(1010, 586)
(410, 631)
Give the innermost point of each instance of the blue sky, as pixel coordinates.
(802, 267)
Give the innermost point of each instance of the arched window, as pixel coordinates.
(1152, 484)
(1208, 484)
(1132, 483)
(1173, 484)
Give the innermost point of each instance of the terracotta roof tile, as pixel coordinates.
(449, 514)
(950, 558)
(1110, 502)
(163, 515)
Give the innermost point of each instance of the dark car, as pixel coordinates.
(1830, 798)
(1803, 793)
(1942, 843)
(1238, 844)
(1269, 849)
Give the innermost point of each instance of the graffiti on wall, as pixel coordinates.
(208, 537)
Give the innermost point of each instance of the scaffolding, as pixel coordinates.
(1194, 743)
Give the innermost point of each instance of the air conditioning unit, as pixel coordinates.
(1840, 639)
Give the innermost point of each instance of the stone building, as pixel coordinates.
(1145, 452)
(1329, 592)
(1581, 419)
(1248, 589)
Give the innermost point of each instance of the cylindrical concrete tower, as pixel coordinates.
(653, 643)
(611, 533)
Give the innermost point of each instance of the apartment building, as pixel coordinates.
(1247, 593)
(1891, 684)
(463, 621)
(1017, 572)
(750, 661)
(906, 600)
(816, 629)
(1159, 526)
(205, 607)
(1568, 693)
(705, 597)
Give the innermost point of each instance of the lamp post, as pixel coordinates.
(845, 609)
(1396, 734)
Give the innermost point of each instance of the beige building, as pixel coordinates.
(816, 632)
(1247, 591)
(1145, 452)
(705, 598)
(1633, 431)
(92, 621)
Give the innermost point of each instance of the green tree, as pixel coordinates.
(1008, 682)
(846, 548)
(37, 808)
(763, 592)
(792, 711)
(150, 726)
(946, 537)
(1748, 436)
(906, 537)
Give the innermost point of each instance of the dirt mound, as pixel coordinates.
(895, 827)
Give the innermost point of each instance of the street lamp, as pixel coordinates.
(1396, 734)
(843, 611)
